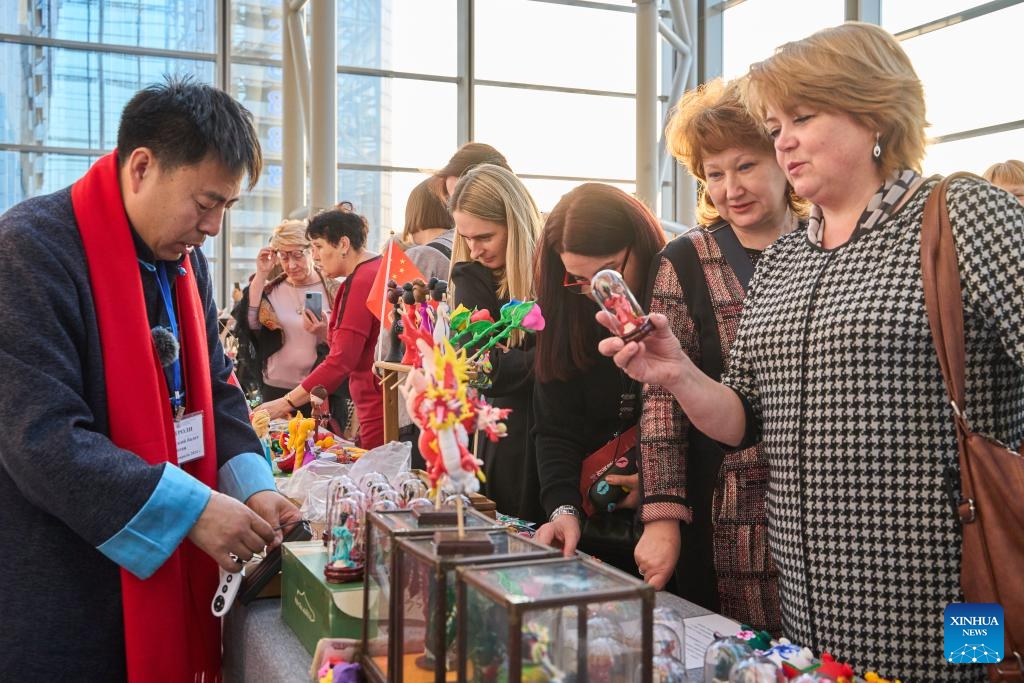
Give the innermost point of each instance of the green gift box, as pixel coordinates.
(311, 607)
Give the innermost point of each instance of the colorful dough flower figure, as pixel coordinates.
(484, 334)
(476, 333)
(446, 410)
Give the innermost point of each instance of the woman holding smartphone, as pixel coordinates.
(338, 238)
(287, 339)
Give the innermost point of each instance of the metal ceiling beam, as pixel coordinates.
(647, 115)
(655, 168)
(295, 110)
(323, 136)
(464, 64)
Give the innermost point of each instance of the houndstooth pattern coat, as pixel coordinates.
(835, 363)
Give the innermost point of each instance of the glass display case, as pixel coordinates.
(383, 528)
(554, 620)
(422, 641)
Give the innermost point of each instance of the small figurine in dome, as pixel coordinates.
(612, 293)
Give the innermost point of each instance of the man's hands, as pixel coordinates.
(657, 551)
(277, 510)
(564, 531)
(227, 527)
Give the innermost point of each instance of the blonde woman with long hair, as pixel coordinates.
(496, 229)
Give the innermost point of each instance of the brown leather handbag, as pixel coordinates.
(991, 505)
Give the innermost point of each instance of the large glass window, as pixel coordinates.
(381, 197)
(60, 102)
(256, 29)
(561, 134)
(546, 193)
(423, 36)
(423, 116)
(753, 29)
(259, 89)
(27, 174)
(252, 219)
(56, 99)
(548, 44)
(900, 15)
(363, 39)
(395, 121)
(74, 98)
(182, 25)
(974, 154)
(392, 131)
(992, 93)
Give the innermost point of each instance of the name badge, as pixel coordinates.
(188, 433)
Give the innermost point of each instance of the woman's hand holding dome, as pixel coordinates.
(658, 359)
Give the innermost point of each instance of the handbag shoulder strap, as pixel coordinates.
(940, 274)
(445, 250)
(734, 253)
(685, 259)
(942, 293)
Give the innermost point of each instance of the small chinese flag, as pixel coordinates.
(395, 266)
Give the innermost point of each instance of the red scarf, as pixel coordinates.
(169, 632)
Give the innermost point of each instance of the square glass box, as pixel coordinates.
(422, 644)
(383, 528)
(553, 620)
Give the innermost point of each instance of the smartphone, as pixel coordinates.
(315, 304)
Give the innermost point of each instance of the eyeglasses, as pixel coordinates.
(581, 285)
(296, 255)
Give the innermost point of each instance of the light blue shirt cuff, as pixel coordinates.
(157, 529)
(244, 475)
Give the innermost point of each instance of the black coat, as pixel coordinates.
(572, 419)
(510, 465)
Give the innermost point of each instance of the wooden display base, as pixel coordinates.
(444, 517)
(479, 502)
(449, 543)
(343, 574)
(640, 332)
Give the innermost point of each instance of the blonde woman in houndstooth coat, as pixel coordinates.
(834, 366)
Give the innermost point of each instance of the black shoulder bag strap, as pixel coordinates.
(443, 248)
(683, 256)
(733, 252)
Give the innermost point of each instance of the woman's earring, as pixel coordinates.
(877, 150)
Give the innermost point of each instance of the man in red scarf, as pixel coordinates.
(129, 469)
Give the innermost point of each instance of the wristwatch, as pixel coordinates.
(567, 510)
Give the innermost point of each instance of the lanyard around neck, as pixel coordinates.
(164, 284)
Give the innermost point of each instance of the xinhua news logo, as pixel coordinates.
(973, 633)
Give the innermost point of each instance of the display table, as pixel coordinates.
(259, 647)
